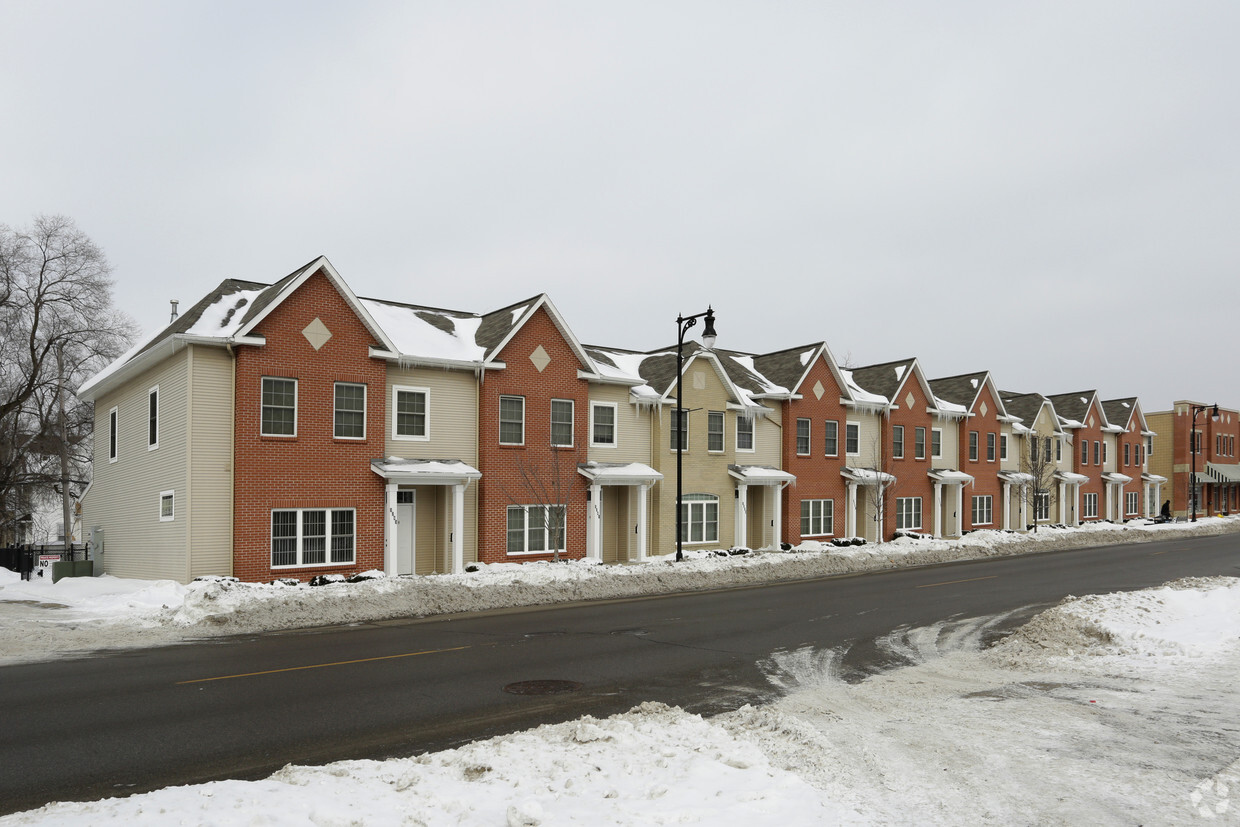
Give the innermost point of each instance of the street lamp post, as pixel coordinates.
(683, 323)
(1192, 436)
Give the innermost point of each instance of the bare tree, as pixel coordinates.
(876, 495)
(544, 491)
(1040, 464)
(57, 327)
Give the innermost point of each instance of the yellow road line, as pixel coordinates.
(322, 665)
(952, 582)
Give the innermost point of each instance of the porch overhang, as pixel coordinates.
(1016, 477)
(950, 476)
(1116, 479)
(1227, 473)
(1153, 478)
(866, 476)
(619, 473)
(760, 475)
(1071, 478)
(425, 471)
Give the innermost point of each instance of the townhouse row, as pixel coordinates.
(295, 429)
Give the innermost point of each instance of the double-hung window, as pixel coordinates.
(897, 442)
(852, 439)
(936, 443)
(562, 423)
(312, 536)
(802, 437)
(603, 423)
(279, 407)
(1104, 452)
(831, 438)
(990, 447)
(411, 420)
(167, 506)
(714, 431)
(512, 420)
(152, 418)
(1132, 501)
(1089, 505)
(536, 529)
(112, 417)
(1046, 449)
(350, 411)
(1097, 452)
(1127, 452)
(744, 433)
(919, 443)
(1042, 506)
(1003, 447)
(699, 515)
(972, 446)
(1058, 449)
(1084, 452)
(983, 510)
(908, 513)
(817, 517)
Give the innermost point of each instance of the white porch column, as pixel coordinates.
(1076, 501)
(779, 516)
(1063, 503)
(458, 528)
(1110, 498)
(1007, 505)
(850, 511)
(1022, 506)
(594, 524)
(938, 509)
(642, 493)
(389, 529)
(958, 517)
(739, 523)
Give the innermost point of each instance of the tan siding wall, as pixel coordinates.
(124, 498)
(1161, 461)
(950, 452)
(767, 439)
(210, 461)
(632, 427)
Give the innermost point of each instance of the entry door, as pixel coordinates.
(406, 513)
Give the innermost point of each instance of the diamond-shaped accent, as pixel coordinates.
(909, 400)
(983, 408)
(819, 390)
(316, 333)
(540, 358)
(1091, 422)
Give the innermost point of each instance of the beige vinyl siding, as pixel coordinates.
(767, 437)
(869, 440)
(1014, 447)
(209, 500)
(705, 472)
(453, 434)
(949, 454)
(1160, 462)
(124, 497)
(632, 427)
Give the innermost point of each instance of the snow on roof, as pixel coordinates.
(867, 476)
(765, 384)
(973, 382)
(899, 372)
(949, 407)
(804, 357)
(223, 317)
(951, 475)
(760, 474)
(411, 330)
(618, 471)
(1070, 423)
(423, 468)
(859, 393)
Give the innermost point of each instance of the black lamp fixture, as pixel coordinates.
(1193, 444)
(683, 323)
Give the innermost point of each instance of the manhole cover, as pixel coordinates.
(541, 687)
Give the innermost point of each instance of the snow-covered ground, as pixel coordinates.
(1113, 709)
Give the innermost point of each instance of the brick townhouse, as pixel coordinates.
(1169, 450)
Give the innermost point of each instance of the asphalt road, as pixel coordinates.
(242, 707)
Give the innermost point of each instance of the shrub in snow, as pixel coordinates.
(735, 551)
(912, 535)
(286, 581)
(785, 546)
(362, 577)
(473, 567)
(212, 578)
(325, 579)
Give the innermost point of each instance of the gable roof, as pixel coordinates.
(889, 378)
(789, 368)
(1073, 408)
(1121, 413)
(745, 384)
(963, 390)
(1026, 407)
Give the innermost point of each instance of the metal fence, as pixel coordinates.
(27, 559)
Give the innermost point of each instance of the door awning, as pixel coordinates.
(1118, 479)
(760, 475)
(425, 471)
(1016, 477)
(1153, 478)
(867, 476)
(951, 476)
(1071, 478)
(619, 473)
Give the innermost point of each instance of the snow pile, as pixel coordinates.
(1107, 710)
(40, 619)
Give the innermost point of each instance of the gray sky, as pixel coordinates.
(1047, 190)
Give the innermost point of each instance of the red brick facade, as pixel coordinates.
(912, 474)
(1091, 463)
(818, 474)
(985, 467)
(313, 469)
(502, 483)
(1220, 442)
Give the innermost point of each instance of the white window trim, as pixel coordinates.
(683, 431)
(989, 502)
(753, 434)
(723, 431)
(847, 424)
(300, 537)
(572, 424)
(924, 447)
(500, 419)
(915, 506)
(1037, 506)
(296, 401)
(894, 455)
(933, 453)
(701, 504)
(153, 392)
(1003, 447)
(543, 552)
(992, 446)
(835, 422)
(426, 392)
(809, 436)
(615, 425)
(1086, 500)
(114, 434)
(974, 446)
(364, 404)
(829, 523)
(172, 495)
(1132, 502)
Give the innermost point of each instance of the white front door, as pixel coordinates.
(406, 509)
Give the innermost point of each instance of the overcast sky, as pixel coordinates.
(1047, 190)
